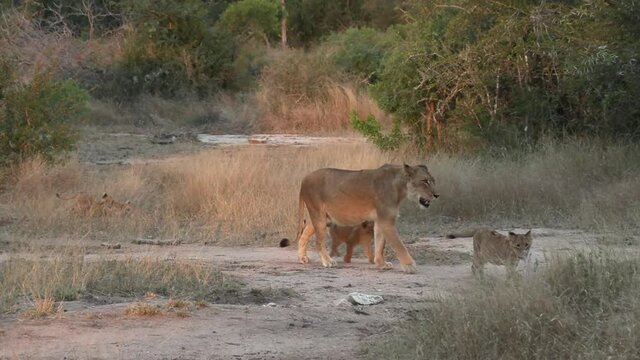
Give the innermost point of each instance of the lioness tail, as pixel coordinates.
(68, 198)
(301, 222)
(468, 233)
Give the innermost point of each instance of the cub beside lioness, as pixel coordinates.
(352, 235)
(489, 246)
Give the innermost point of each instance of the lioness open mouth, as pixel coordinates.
(424, 202)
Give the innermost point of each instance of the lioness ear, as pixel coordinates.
(409, 170)
(104, 196)
(128, 202)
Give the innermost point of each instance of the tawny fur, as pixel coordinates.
(89, 206)
(351, 236)
(351, 197)
(489, 246)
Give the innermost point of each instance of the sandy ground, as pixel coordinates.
(316, 324)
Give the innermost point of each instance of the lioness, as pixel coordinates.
(104, 206)
(352, 235)
(351, 197)
(489, 246)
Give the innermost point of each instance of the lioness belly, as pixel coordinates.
(351, 218)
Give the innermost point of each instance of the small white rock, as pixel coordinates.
(364, 299)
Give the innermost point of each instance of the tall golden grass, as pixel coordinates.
(302, 92)
(249, 195)
(242, 195)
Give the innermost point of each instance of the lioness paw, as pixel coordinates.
(385, 266)
(409, 268)
(329, 263)
(304, 259)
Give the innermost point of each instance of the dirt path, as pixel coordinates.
(313, 325)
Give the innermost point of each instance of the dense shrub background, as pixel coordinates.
(38, 118)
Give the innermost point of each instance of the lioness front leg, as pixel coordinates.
(378, 239)
(391, 234)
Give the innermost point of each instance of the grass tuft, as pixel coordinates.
(583, 307)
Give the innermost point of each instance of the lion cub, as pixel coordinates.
(104, 206)
(352, 235)
(489, 246)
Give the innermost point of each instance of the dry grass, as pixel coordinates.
(590, 186)
(69, 277)
(224, 112)
(34, 47)
(43, 307)
(584, 307)
(177, 304)
(245, 195)
(301, 92)
(249, 195)
(142, 309)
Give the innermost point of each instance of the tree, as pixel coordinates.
(252, 19)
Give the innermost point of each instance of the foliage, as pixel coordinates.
(515, 72)
(172, 49)
(359, 52)
(372, 130)
(253, 19)
(311, 20)
(37, 119)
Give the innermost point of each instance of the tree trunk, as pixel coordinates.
(429, 116)
(283, 25)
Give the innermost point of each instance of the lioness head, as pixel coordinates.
(520, 243)
(420, 184)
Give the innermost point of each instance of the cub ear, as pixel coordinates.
(511, 233)
(528, 234)
(128, 202)
(104, 196)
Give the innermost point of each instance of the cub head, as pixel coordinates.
(109, 203)
(367, 227)
(520, 243)
(420, 185)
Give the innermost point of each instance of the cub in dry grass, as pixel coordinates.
(489, 246)
(106, 205)
(352, 235)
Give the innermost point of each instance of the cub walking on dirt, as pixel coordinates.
(489, 246)
(352, 235)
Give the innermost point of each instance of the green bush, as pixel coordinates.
(253, 19)
(37, 119)
(359, 52)
(173, 49)
(372, 130)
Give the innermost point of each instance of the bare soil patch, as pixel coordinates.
(296, 310)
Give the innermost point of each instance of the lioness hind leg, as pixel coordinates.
(319, 221)
(303, 243)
